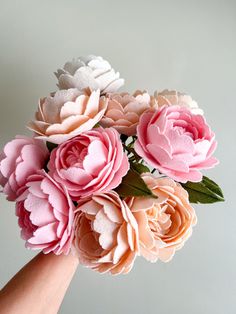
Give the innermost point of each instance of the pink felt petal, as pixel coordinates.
(76, 175)
(165, 160)
(96, 158)
(45, 234)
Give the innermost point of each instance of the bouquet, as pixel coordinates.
(109, 176)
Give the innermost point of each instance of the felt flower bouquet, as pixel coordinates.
(109, 176)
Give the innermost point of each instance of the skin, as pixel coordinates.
(40, 286)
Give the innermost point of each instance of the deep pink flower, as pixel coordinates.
(20, 158)
(176, 142)
(91, 162)
(45, 215)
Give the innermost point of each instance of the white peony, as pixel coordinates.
(91, 71)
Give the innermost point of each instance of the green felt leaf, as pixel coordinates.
(204, 192)
(51, 146)
(133, 185)
(140, 168)
(97, 125)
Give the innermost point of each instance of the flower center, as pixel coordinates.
(75, 156)
(164, 220)
(188, 129)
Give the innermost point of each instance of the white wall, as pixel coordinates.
(187, 45)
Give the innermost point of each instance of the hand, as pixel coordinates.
(40, 286)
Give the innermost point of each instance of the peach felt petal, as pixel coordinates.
(164, 228)
(124, 110)
(67, 113)
(110, 243)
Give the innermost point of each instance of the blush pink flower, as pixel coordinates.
(91, 162)
(67, 113)
(46, 215)
(124, 110)
(20, 158)
(176, 142)
(164, 223)
(170, 98)
(106, 234)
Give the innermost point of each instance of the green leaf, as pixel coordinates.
(97, 125)
(133, 185)
(213, 186)
(140, 168)
(133, 153)
(204, 192)
(51, 146)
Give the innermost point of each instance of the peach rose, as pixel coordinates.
(164, 223)
(106, 234)
(173, 97)
(123, 111)
(67, 113)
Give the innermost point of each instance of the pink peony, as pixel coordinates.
(170, 98)
(91, 162)
(124, 110)
(20, 158)
(45, 215)
(176, 142)
(164, 223)
(67, 113)
(106, 234)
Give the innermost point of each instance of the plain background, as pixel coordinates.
(186, 45)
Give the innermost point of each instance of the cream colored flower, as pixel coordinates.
(91, 71)
(164, 223)
(67, 113)
(173, 97)
(124, 110)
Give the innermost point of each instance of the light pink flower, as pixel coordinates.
(45, 215)
(91, 162)
(67, 113)
(173, 97)
(164, 223)
(124, 110)
(91, 71)
(20, 158)
(176, 142)
(106, 234)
